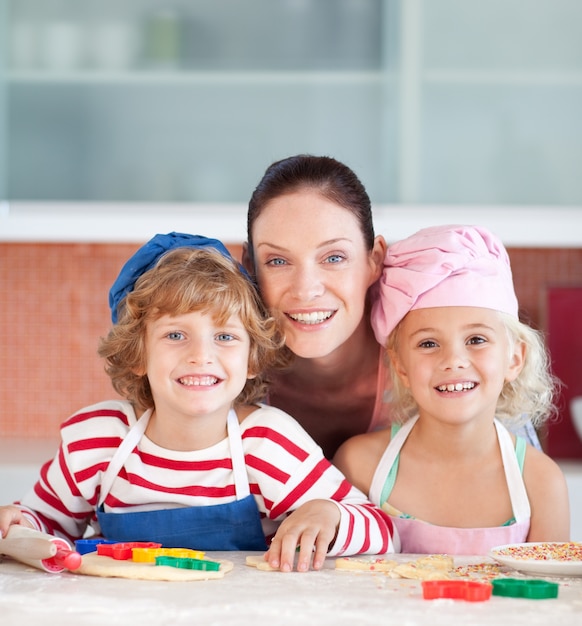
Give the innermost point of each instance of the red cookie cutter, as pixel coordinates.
(123, 551)
(471, 591)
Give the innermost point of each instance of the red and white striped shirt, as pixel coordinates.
(285, 468)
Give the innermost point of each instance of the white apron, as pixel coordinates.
(419, 537)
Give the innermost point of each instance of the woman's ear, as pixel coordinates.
(377, 256)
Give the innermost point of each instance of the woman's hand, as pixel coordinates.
(10, 515)
(312, 527)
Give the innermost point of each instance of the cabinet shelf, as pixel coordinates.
(287, 77)
(200, 77)
(502, 77)
(429, 101)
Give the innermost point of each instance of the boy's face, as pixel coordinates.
(195, 366)
(455, 360)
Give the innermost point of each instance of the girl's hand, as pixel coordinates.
(312, 527)
(10, 515)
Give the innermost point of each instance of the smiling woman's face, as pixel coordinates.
(313, 268)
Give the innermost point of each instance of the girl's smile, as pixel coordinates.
(456, 387)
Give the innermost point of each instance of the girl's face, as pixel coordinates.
(455, 361)
(313, 268)
(195, 366)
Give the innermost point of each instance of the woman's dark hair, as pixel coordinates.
(332, 179)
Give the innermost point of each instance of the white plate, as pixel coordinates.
(535, 564)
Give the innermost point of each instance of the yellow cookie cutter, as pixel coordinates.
(148, 555)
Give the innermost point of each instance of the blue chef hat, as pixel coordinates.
(147, 256)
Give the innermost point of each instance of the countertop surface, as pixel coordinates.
(250, 596)
(547, 226)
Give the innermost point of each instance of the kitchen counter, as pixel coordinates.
(95, 222)
(249, 596)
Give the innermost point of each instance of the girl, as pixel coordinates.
(189, 459)
(451, 477)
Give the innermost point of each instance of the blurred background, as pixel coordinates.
(430, 101)
(120, 119)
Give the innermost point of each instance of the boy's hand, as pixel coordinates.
(10, 515)
(312, 527)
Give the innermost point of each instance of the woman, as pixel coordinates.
(312, 248)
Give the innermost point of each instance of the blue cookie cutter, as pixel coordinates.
(84, 546)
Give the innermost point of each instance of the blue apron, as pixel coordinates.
(231, 526)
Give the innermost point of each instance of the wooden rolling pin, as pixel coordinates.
(39, 550)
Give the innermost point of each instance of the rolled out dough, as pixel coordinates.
(365, 563)
(94, 564)
(258, 561)
(431, 567)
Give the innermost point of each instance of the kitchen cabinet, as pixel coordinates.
(500, 91)
(197, 99)
(188, 101)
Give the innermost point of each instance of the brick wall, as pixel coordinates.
(53, 309)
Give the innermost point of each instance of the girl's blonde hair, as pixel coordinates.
(185, 280)
(530, 397)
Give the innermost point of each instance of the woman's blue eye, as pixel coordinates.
(334, 258)
(175, 335)
(276, 262)
(225, 337)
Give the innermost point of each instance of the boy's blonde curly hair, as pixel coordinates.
(185, 280)
(531, 396)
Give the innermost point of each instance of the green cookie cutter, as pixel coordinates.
(530, 589)
(188, 563)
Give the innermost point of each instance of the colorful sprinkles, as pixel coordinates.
(479, 571)
(563, 552)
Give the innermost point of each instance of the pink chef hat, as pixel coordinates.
(442, 266)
